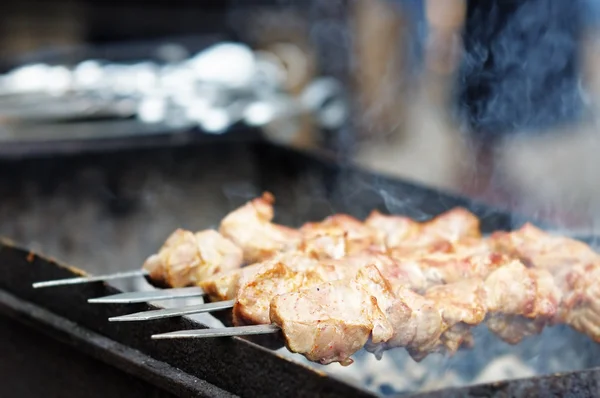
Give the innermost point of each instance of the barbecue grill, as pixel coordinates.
(104, 204)
(105, 211)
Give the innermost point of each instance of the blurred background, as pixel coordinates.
(495, 100)
(491, 99)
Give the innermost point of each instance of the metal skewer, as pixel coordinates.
(218, 332)
(154, 295)
(89, 279)
(173, 312)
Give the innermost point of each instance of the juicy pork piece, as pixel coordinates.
(453, 225)
(336, 237)
(440, 320)
(329, 322)
(250, 228)
(405, 236)
(407, 273)
(461, 305)
(282, 274)
(580, 307)
(390, 230)
(292, 271)
(574, 266)
(224, 286)
(458, 265)
(186, 258)
(521, 301)
(539, 249)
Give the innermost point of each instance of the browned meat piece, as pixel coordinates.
(282, 274)
(336, 237)
(439, 321)
(416, 322)
(539, 249)
(520, 301)
(250, 228)
(405, 236)
(406, 273)
(460, 264)
(461, 305)
(580, 307)
(331, 321)
(392, 231)
(224, 286)
(453, 225)
(574, 266)
(186, 258)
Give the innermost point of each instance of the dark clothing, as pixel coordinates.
(520, 71)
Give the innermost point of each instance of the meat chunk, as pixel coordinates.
(329, 322)
(417, 325)
(453, 225)
(460, 264)
(574, 266)
(461, 305)
(580, 307)
(406, 273)
(537, 248)
(390, 230)
(250, 228)
(282, 274)
(402, 236)
(187, 258)
(520, 301)
(336, 237)
(225, 285)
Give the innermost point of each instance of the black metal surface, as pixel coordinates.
(582, 384)
(45, 355)
(307, 187)
(234, 364)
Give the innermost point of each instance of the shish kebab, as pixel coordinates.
(329, 321)
(247, 235)
(572, 317)
(327, 313)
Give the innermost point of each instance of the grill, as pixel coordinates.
(104, 211)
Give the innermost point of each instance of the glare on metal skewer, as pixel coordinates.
(89, 279)
(218, 332)
(174, 312)
(154, 295)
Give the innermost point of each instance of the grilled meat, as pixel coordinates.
(438, 321)
(575, 268)
(331, 321)
(187, 258)
(336, 237)
(250, 227)
(337, 285)
(401, 235)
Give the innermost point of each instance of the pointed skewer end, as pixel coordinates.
(218, 332)
(90, 279)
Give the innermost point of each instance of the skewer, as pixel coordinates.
(173, 312)
(89, 279)
(218, 332)
(144, 297)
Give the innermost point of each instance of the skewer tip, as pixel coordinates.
(89, 279)
(218, 332)
(174, 312)
(144, 297)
